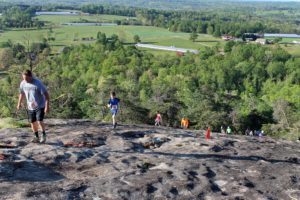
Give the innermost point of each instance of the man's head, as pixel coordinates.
(27, 76)
(112, 94)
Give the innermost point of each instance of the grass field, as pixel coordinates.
(72, 35)
(293, 49)
(284, 39)
(290, 39)
(93, 18)
(65, 35)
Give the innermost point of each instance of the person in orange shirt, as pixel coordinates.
(184, 123)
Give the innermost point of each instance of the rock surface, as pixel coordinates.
(89, 160)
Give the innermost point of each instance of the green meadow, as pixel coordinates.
(72, 35)
(293, 49)
(55, 19)
(290, 39)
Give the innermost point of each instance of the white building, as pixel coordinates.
(167, 48)
(281, 35)
(57, 13)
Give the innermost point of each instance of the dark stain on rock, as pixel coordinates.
(210, 174)
(151, 189)
(201, 196)
(214, 187)
(174, 191)
(216, 148)
(74, 193)
(190, 186)
(227, 143)
(248, 183)
(132, 135)
(294, 179)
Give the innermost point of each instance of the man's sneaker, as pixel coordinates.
(43, 139)
(35, 140)
(115, 125)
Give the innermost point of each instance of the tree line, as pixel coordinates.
(19, 17)
(209, 22)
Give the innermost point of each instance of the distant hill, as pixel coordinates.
(161, 4)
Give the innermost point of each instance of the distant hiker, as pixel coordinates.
(184, 123)
(228, 130)
(257, 133)
(247, 132)
(113, 104)
(207, 135)
(251, 133)
(222, 130)
(158, 119)
(38, 99)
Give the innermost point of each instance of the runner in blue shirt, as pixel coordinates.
(113, 104)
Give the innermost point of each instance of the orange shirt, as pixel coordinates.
(184, 122)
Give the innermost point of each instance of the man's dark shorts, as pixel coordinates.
(36, 115)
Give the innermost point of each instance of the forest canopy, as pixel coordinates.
(249, 86)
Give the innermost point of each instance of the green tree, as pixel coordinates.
(136, 39)
(6, 57)
(193, 36)
(101, 38)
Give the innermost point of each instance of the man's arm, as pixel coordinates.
(44, 91)
(108, 104)
(21, 97)
(47, 107)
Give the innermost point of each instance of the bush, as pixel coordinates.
(11, 123)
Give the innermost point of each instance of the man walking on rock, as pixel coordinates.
(37, 98)
(113, 104)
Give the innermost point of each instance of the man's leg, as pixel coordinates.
(113, 118)
(40, 117)
(42, 125)
(34, 125)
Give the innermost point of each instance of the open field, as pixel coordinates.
(70, 35)
(293, 49)
(55, 19)
(284, 40)
(290, 39)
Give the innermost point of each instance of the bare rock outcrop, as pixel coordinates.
(89, 160)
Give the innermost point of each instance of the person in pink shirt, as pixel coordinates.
(158, 119)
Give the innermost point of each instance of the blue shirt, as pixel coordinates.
(114, 103)
(34, 93)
